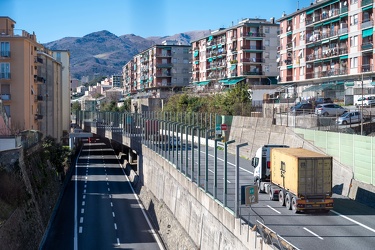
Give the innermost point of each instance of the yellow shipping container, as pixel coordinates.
(303, 172)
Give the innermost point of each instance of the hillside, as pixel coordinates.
(104, 53)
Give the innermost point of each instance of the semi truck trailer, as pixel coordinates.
(298, 178)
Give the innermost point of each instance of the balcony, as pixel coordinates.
(5, 97)
(38, 117)
(252, 60)
(38, 60)
(164, 65)
(5, 53)
(252, 35)
(163, 75)
(5, 75)
(253, 47)
(367, 68)
(366, 24)
(39, 98)
(367, 46)
(39, 79)
(256, 72)
(366, 2)
(163, 55)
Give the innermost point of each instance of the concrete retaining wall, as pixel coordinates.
(260, 131)
(209, 225)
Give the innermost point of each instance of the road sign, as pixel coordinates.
(218, 129)
(224, 127)
(249, 194)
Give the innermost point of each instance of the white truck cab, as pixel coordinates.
(261, 163)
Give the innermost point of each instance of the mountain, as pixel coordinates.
(103, 53)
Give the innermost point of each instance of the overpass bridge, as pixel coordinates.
(182, 160)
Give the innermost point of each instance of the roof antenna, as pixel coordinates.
(297, 5)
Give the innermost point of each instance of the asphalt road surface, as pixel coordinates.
(99, 209)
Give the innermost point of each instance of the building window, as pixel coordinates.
(302, 18)
(267, 30)
(174, 60)
(4, 70)
(267, 68)
(266, 54)
(354, 19)
(185, 60)
(354, 62)
(354, 41)
(5, 49)
(186, 80)
(58, 56)
(267, 42)
(186, 51)
(174, 80)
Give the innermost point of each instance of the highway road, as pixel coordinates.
(350, 225)
(99, 209)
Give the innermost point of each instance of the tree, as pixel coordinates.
(76, 106)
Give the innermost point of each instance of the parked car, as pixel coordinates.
(322, 100)
(367, 101)
(349, 117)
(302, 108)
(330, 109)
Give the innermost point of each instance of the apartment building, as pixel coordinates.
(117, 81)
(326, 49)
(30, 84)
(157, 70)
(245, 52)
(63, 57)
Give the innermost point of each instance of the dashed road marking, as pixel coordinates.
(274, 209)
(115, 226)
(113, 214)
(80, 230)
(354, 221)
(83, 203)
(313, 233)
(81, 220)
(82, 210)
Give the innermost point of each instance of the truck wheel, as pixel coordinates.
(288, 201)
(281, 198)
(294, 205)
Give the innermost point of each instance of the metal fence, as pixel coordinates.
(183, 139)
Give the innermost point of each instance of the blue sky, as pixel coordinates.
(53, 19)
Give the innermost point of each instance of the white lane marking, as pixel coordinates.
(118, 241)
(85, 181)
(80, 230)
(109, 189)
(111, 204)
(83, 203)
(313, 233)
(81, 220)
(82, 210)
(84, 197)
(273, 209)
(229, 163)
(115, 226)
(84, 191)
(107, 183)
(113, 214)
(85, 186)
(354, 221)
